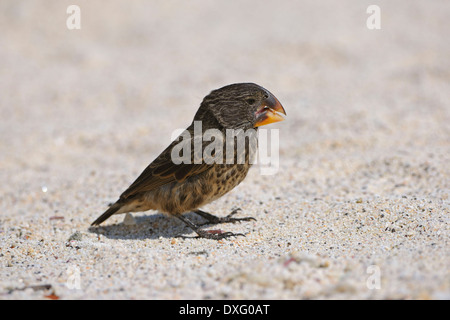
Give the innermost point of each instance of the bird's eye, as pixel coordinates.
(250, 101)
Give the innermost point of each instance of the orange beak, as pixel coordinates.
(269, 112)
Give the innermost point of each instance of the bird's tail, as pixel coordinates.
(108, 213)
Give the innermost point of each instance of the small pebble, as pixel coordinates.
(129, 220)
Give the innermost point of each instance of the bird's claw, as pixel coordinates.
(229, 218)
(211, 219)
(217, 235)
(212, 234)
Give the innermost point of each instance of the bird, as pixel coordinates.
(176, 187)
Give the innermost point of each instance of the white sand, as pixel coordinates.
(358, 209)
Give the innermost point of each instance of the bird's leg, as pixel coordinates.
(212, 219)
(207, 234)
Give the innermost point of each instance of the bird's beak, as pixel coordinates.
(269, 112)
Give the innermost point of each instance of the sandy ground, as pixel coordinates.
(358, 209)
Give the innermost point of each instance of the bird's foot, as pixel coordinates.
(213, 234)
(212, 219)
(207, 234)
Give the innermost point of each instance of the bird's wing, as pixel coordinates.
(163, 170)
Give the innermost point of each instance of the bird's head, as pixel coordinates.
(241, 106)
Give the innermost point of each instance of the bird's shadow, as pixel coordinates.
(153, 226)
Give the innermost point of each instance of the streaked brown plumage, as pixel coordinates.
(175, 189)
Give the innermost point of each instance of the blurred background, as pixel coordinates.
(104, 100)
(364, 149)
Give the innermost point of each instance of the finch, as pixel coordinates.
(176, 185)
